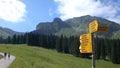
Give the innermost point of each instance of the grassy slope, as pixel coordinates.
(34, 57)
(1, 56)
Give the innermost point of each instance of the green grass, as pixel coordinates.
(1, 56)
(36, 57)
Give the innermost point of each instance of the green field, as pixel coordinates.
(36, 57)
(1, 56)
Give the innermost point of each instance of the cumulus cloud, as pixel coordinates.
(74, 8)
(12, 10)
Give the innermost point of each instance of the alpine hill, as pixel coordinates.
(75, 26)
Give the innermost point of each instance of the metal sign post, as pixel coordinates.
(93, 50)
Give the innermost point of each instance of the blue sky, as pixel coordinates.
(24, 15)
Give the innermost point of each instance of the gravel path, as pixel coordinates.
(5, 63)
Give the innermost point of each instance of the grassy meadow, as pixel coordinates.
(36, 57)
(1, 56)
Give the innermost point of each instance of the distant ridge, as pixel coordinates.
(5, 32)
(71, 27)
(74, 26)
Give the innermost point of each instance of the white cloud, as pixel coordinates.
(76, 8)
(12, 10)
(115, 19)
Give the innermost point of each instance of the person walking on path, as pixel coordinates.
(9, 55)
(5, 54)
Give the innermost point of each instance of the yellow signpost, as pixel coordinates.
(102, 29)
(93, 26)
(86, 48)
(87, 40)
(86, 43)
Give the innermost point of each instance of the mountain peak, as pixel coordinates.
(87, 16)
(57, 20)
(75, 26)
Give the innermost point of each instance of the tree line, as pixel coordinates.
(105, 49)
(60, 43)
(108, 49)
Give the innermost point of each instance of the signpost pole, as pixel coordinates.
(93, 51)
(86, 39)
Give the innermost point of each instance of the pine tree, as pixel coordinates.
(113, 53)
(118, 46)
(108, 48)
(14, 39)
(59, 47)
(65, 45)
(117, 51)
(74, 46)
(103, 54)
(97, 48)
(9, 40)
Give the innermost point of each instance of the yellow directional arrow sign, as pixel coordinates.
(86, 48)
(85, 38)
(86, 43)
(93, 26)
(102, 29)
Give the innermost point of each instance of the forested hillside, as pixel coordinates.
(106, 49)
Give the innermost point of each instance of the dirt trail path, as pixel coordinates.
(5, 63)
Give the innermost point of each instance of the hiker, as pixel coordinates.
(9, 55)
(5, 54)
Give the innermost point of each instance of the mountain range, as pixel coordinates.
(76, 26)
(5, 32)
(71, 27)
